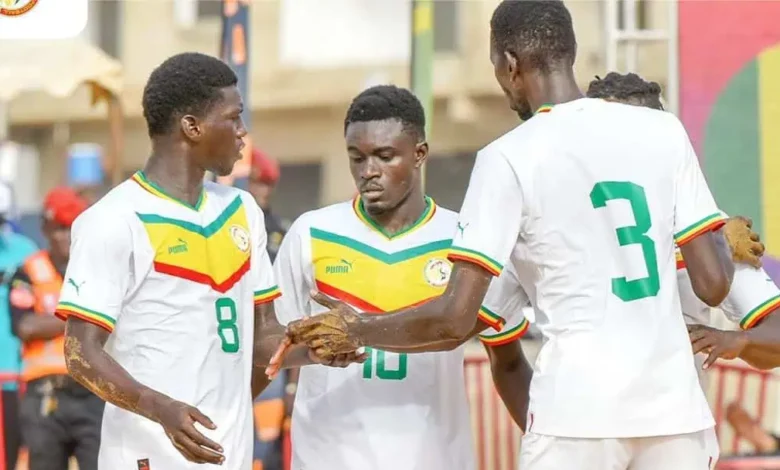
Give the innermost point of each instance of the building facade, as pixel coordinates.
(308, 60)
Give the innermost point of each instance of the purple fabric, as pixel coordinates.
(772, 267)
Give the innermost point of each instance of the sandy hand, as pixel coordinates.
(745, 244)
(328, 334)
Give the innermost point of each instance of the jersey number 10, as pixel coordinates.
(631, 235)
(375, 365)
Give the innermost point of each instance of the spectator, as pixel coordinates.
(14, 248)
(274, 405)
(764, 442)
(262, 182)
(59, 418)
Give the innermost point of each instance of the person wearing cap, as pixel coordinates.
(262, 183)
(274, 406)
(14, 249)
(59, 417)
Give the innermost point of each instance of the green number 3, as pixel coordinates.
(382, 372)
(636, 234)
(226, 324)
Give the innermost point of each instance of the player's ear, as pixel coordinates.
(512, 66)
(420, 154)
(191, 127)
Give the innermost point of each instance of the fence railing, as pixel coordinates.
(497, 438)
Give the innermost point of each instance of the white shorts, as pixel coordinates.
(695, 451)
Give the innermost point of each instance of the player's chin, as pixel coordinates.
(375, 206)
(224, 169)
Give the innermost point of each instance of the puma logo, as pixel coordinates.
(71, 282)
(344, 267)
(462, 227)
(181, 247)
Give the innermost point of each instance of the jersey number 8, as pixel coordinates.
(226, 324)
(634, 234)
(377, 357)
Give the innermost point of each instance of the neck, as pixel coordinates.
(172, 170)
(403, 215)
(552, 88)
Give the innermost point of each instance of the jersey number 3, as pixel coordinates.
(226, 324)
(631, 235)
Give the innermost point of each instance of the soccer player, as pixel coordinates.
(586, 200)
(385, 250)
(753, 299)
(172, 276)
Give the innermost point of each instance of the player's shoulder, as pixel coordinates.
(445, 216)
(627, 116)
(328, 218)
(117, 204)
(112, 213)
(529, 139)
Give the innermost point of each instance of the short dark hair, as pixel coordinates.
(388, 102)
(188, 83)
(629, 88)
(537, 31)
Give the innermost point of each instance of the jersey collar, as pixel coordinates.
(140, 178)
(360, 211)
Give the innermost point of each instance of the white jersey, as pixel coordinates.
(175, 285)
(753, 296)
(586, 201)
(395, 411)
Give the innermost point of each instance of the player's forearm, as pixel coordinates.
(442, 346)
(709, 268)
(444, 320)
(426, 327)
(91, 366)
(512, 378)
(724, 254)
(763, 343)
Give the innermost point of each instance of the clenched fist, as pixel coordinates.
(745, 244)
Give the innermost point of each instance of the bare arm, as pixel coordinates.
(43, 327)
(25, 323)
(708, 260)
(762, 349)
(91, 366)
(444, 321)
(443, 345)
(269, 335)
(512, 377)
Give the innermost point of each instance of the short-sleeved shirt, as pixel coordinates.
(586, 200)
(175, 284)
(752, 297)
(394, 411)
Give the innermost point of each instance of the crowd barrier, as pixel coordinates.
(497, 438)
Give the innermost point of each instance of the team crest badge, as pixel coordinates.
(240, 237)
(437, 272)
(16, 7)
